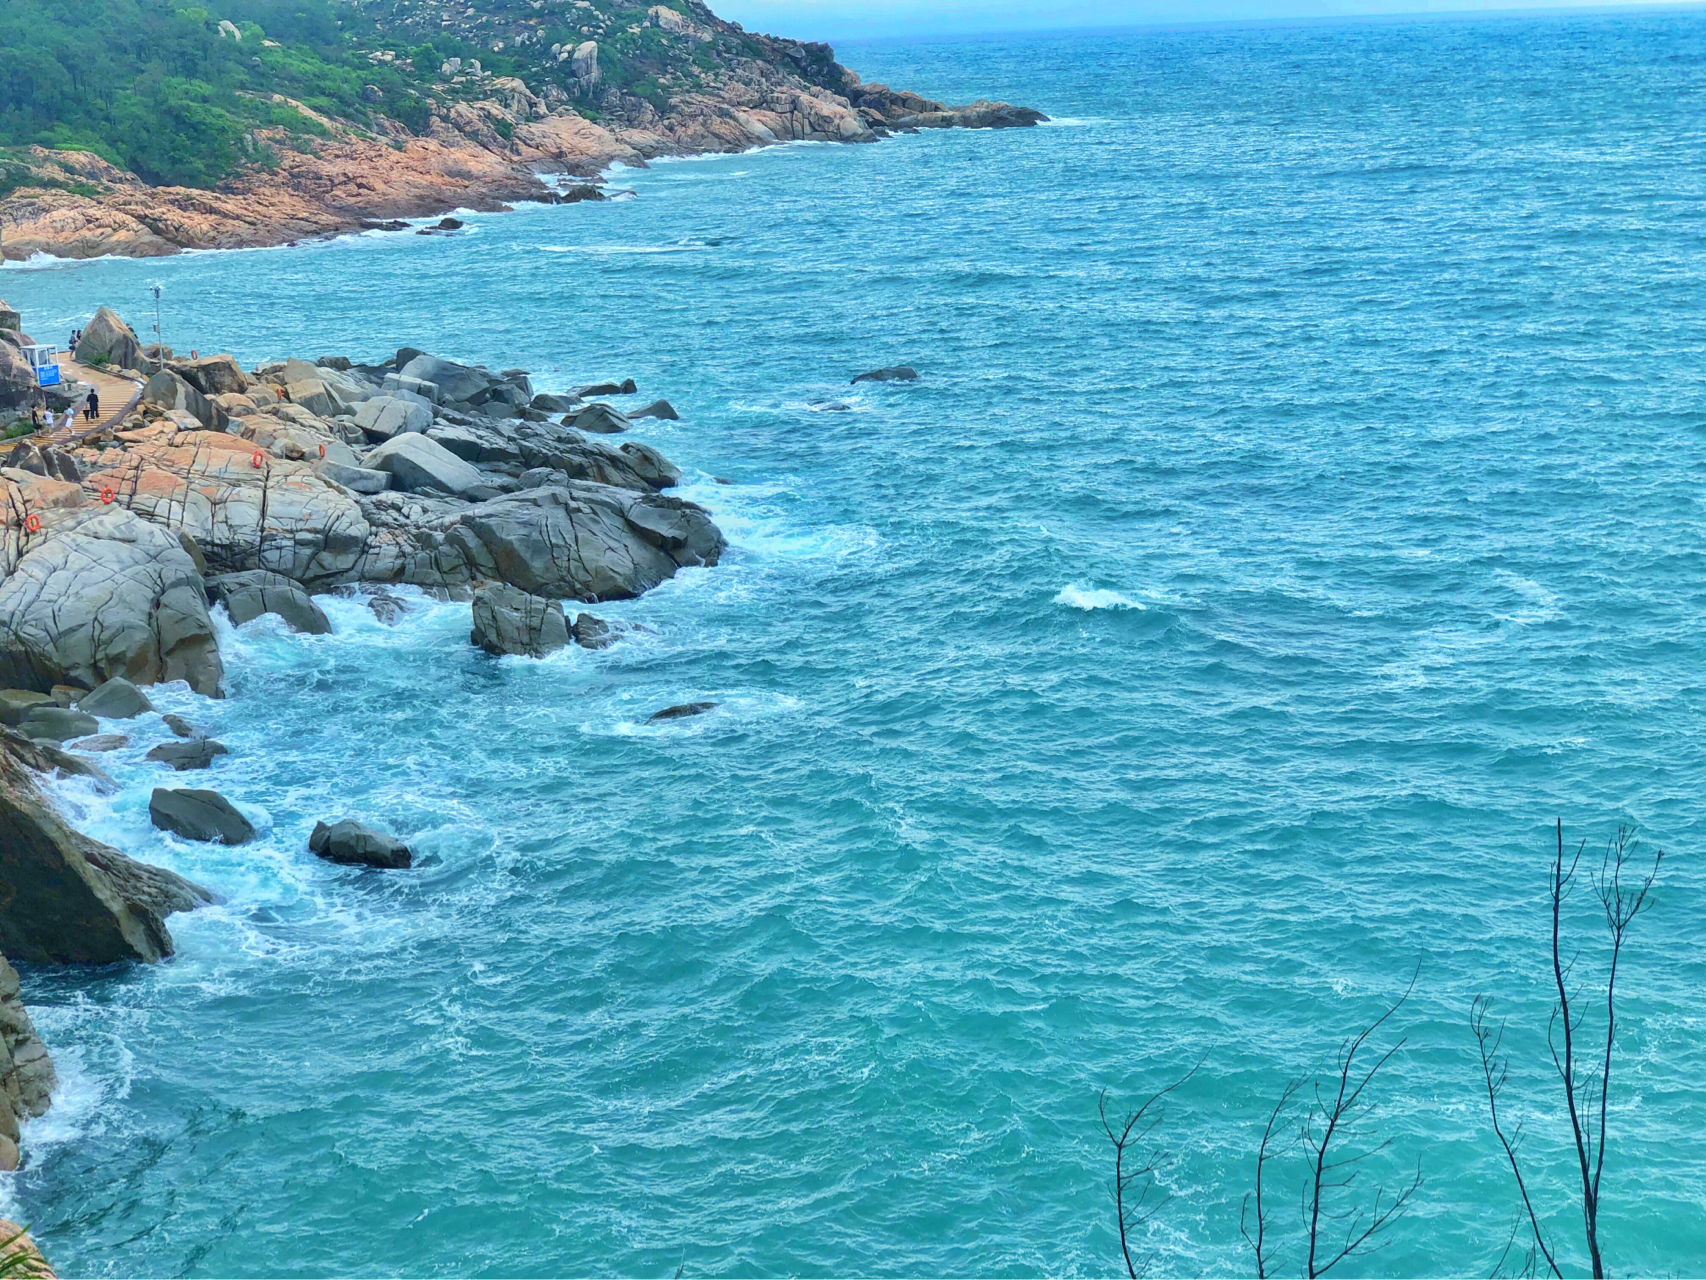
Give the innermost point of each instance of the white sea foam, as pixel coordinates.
(1088, 598)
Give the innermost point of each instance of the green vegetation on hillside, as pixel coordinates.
(181, 92)
(154, 87)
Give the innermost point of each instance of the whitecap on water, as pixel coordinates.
(1087, 598)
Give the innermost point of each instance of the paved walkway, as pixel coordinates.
(118, 397)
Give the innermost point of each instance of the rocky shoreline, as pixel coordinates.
(255, 490)
(484, 155)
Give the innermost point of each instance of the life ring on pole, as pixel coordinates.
(259, 458)
(322, 451)
(32, 523)
(108, 494)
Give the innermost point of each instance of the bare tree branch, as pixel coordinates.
(1133, 1165)
(1264, 1153)
(1337, 1173)
(1496, 1070)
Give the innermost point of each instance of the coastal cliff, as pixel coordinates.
(560, 88)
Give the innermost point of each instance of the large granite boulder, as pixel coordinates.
(561, 449)
(27, 1077)
(108, 340)
(417, 463)
(508, 620)
(199, 815)
(279, 516)
(249, 594)
(383, 417)
(351, 844)
(67, 899)
(96, 592)
(585, 541)
(167, 390)
(602, 419)
(455, 382)
(214, 375)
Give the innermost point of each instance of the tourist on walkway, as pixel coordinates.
(92, 409)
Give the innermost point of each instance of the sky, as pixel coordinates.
(842, 19)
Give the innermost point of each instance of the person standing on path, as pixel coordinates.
(92, 409)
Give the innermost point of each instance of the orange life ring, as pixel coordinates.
(108, 494)
(32, 523)
(259, 457)
(322, 451)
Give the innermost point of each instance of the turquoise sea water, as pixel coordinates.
(1299, 511)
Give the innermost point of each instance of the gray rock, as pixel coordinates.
(396, 382)
(197, 753)
(484, 444)
(169, 391)
(104, 593)
(180, 726)
(508, 620)
(900, 373)
(602, 419)
(383, 417)
(351, 844)
(592, 633)
(213, 375)
(389, 609)
(681, 712)
(455, 382)
(199, 815)
(418, 463)
(626, 388)
(547, 403)
(70, 899)
(117, 699)
(658, 409)
(101, 742)
(249, 594)
(57, 724)
(584, 541)
(650, 465)
(15, 704)
(355, 479)
(535, 477)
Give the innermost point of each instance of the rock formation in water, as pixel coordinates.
(68, 899)
(27, 1078)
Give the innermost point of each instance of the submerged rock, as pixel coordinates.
(352, 844)
(199, 815)
(180, 726)
(101, 742)
(508, 620)
(681, 712)
(197, 753)
(900, 373)
(592, 633)
(249, 594)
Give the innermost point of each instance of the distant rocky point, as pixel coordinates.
(568, 89)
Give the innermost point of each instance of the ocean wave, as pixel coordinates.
(1088, 598)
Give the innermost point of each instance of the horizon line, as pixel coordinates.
(1590, 8)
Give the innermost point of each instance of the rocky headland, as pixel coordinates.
(256, 491)
(625, 83)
